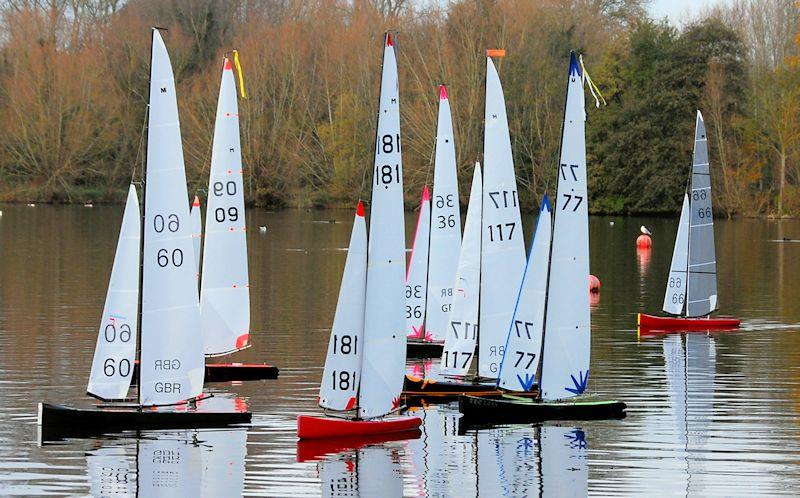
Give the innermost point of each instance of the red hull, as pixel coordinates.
(315, 449)
(669, 323)
(323, 427)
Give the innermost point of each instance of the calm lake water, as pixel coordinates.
(708, 414)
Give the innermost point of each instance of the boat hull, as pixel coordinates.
(504, 409)
(228, 372)
(436, 391)
(59, 421)
(423, 349)
(309, 427)
(671, 323)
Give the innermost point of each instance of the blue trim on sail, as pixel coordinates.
(545, 204)
(574, 67)
(579, 383)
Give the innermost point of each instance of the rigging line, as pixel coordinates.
(141, 145)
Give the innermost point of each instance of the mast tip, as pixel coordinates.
(389, 41)
(442, 92)
(360, 209)
(196, 202)
(227, 65)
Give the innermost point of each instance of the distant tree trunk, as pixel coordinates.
(781, 179)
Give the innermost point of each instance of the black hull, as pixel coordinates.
(58, 421)
(505, 410)
(417, 390)
(423, 349)
(228, 372)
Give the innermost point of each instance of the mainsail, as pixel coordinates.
(384, 360)
(225, 283)
(112, 366)
(339, 386)
(172, 362)
(675, 296)
(502, 245)
(524, 343)
(567, 335)
(462, 330)
(445, 238)
(416, 278)
(701, 293)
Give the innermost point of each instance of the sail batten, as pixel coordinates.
(462, 330)
(112, 366)
(384, 359)
(502, 242)
(567, 336)
(172, 363)
(445, 237)
(701, 292)
(225, 281)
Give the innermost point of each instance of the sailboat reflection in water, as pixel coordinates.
(371, 471)
(176, 463)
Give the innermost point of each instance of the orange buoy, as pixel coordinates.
(644, 241)
(594, 284)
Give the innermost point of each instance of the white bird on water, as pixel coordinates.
(644, 230)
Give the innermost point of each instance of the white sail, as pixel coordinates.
(567, 335)
(197, 231)
(225, 283)
(701, 292)
(524, 343)
(384, 318)
(445, 238)
(416, 278)
(172, 362)
(338, 476)
(112, 366)
(502, 244)
(339, 386)
(462, 330)
(379, 472)
(675, 296)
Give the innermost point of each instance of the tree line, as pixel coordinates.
(74, 83)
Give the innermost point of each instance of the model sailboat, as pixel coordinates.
(429, 330)
(550, 333)
(495, 258)
(171, 356)
(691, 294)
(225, 283)
(365, 371)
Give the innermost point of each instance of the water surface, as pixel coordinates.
(708, 414)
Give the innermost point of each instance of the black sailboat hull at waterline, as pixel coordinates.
(229, 372)
(59, 421)
(423, 349)
(505, 409)
(442, 391)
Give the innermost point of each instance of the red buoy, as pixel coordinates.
(594, 284)
(644, 241)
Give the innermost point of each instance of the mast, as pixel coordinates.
(550, 251)
(141, 237)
